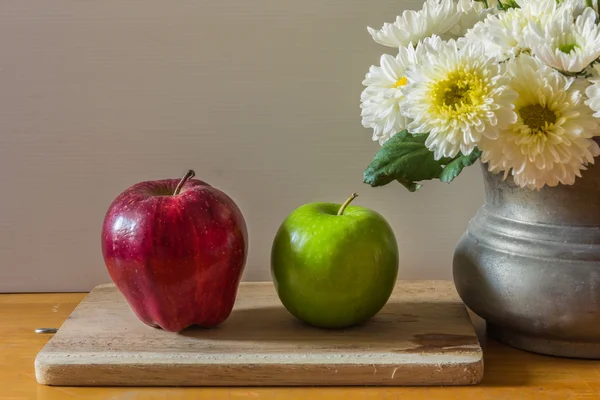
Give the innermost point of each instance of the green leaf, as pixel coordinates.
(411, 186)
(508, 4)
(455, 167)
(403, 158)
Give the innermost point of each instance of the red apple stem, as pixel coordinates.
(343, 207)
(189, 175)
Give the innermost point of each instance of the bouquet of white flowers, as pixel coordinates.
(515, 83)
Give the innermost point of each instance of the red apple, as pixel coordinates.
(176, 250)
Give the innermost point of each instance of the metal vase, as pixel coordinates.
(529, 264)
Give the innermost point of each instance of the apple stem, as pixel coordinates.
(343, 207)
(189, 175)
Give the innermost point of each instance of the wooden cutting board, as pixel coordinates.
(423, 336)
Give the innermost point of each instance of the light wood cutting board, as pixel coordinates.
(423, 336)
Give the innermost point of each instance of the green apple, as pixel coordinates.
(334, 266)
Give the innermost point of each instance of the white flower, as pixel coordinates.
(457, 95)
(565, 44)
(550, 143)
(435, 18)
(380, 100)
(575, 7)
(593, 91)
(472, 13)
(581, 83)
(502, 34)
(538, 11)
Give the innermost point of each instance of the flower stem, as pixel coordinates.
(343, 207)
(189, 175)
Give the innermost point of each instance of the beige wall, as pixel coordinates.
(260, 97)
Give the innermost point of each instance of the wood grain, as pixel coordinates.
(423, 336)
(509, 373)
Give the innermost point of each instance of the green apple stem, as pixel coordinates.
(189, 175)
(343, 207)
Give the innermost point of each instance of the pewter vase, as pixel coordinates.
(529, 264)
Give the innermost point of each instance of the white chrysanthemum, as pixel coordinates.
(538, 11)
(380, 100)
(502, 34)
(551, 141)
(435, 18)
(457, 95)
(593, 91)
(581, 83)
(565, 44)
(575, 7)
(472, 13)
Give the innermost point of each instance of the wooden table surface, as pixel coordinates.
(509, 373)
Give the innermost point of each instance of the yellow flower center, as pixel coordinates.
(401, 82)
(537, 117)
(456, 94)
(462, 91)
